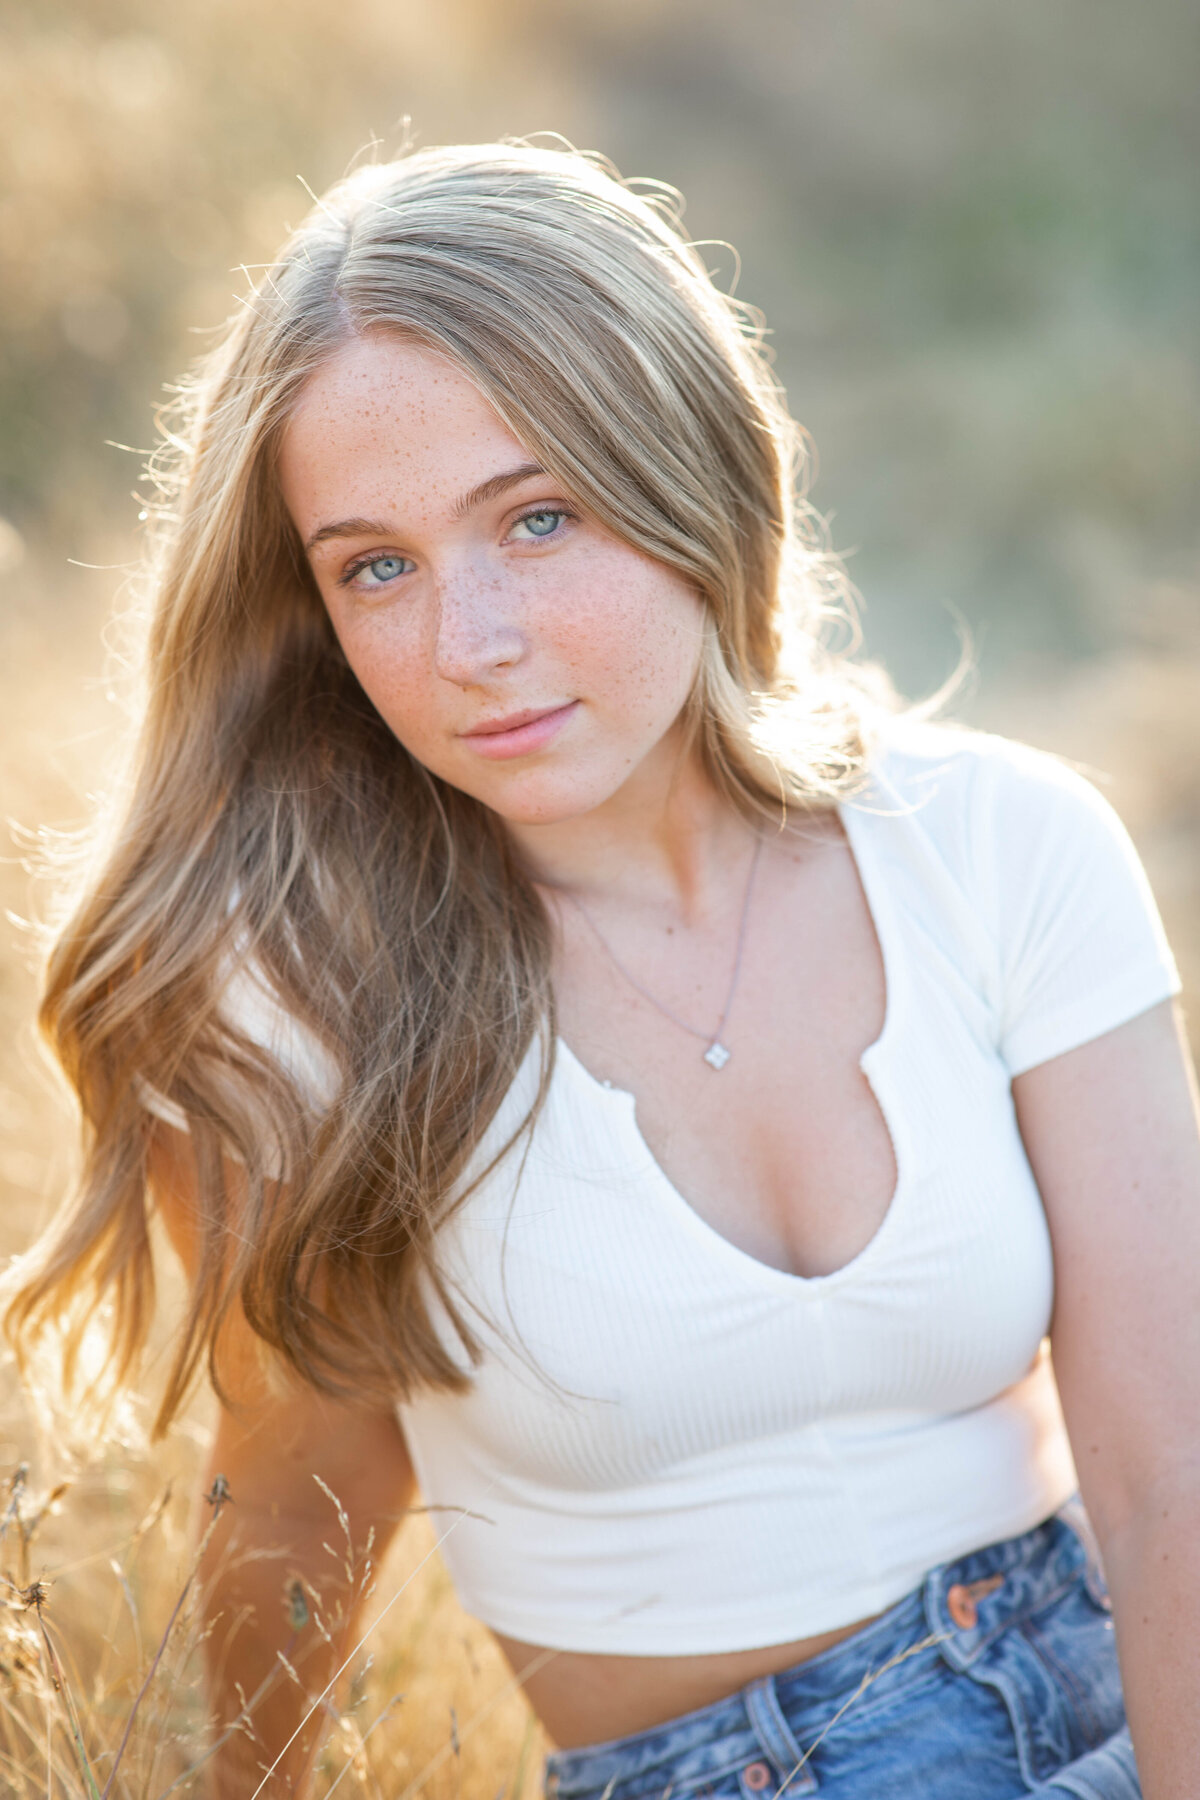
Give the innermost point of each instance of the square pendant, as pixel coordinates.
(716, 1056)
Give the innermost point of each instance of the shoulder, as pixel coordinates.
(1015, 856)
(1001, 845)
(926, 756)
(965, 788)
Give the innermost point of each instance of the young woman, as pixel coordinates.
(587, 1046)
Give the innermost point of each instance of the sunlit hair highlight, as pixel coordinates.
(274, 826)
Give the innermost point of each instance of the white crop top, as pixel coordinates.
(671, 1448)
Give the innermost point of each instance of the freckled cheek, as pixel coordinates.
(638, 646)
(396, 679)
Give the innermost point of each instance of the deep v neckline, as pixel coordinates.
(877, 1062)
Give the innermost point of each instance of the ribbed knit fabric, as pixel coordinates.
(671, 1448)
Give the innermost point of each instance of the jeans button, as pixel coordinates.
(962, 1601)
(756, 1777)
(960, 1606)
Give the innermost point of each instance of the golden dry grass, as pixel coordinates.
(100, 1649)
(90, 1581)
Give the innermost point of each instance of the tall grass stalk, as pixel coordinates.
(101, 1695)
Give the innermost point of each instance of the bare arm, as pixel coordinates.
(1112, 1134)
(269, 1446)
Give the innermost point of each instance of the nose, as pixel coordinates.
(476, 634)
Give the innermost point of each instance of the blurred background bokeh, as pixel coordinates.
(973, 229)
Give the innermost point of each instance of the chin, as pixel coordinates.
(538, 801)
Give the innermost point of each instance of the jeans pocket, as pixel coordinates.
(1056, 1671)
(1107, 1773)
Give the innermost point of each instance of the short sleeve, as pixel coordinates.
(1080, 943)
(157, 1103)
(250, 1005)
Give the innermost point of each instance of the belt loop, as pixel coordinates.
(777, 1738)
(1074, 1515)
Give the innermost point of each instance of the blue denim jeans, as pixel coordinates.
(997, 1677)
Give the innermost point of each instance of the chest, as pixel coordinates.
(626, 1337)
(785, 1151)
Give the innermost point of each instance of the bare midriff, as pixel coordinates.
(586, 1699)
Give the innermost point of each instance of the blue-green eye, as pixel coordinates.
(375, 571)
(542, 524)
(384, 568)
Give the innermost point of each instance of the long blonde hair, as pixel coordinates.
(273, 823)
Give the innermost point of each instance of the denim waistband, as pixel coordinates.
(955, 1613)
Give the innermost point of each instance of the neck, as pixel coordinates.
(666, 838)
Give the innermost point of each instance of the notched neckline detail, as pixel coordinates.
(875, 1065)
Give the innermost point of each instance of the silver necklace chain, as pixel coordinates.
(717, 1054)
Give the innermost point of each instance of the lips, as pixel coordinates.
(512, 721)
(519, 733)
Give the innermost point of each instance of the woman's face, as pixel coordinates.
(513, 645)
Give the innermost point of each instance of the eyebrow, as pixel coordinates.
(494, 486)
(491, 489)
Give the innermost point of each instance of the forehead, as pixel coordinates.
(387, 423)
